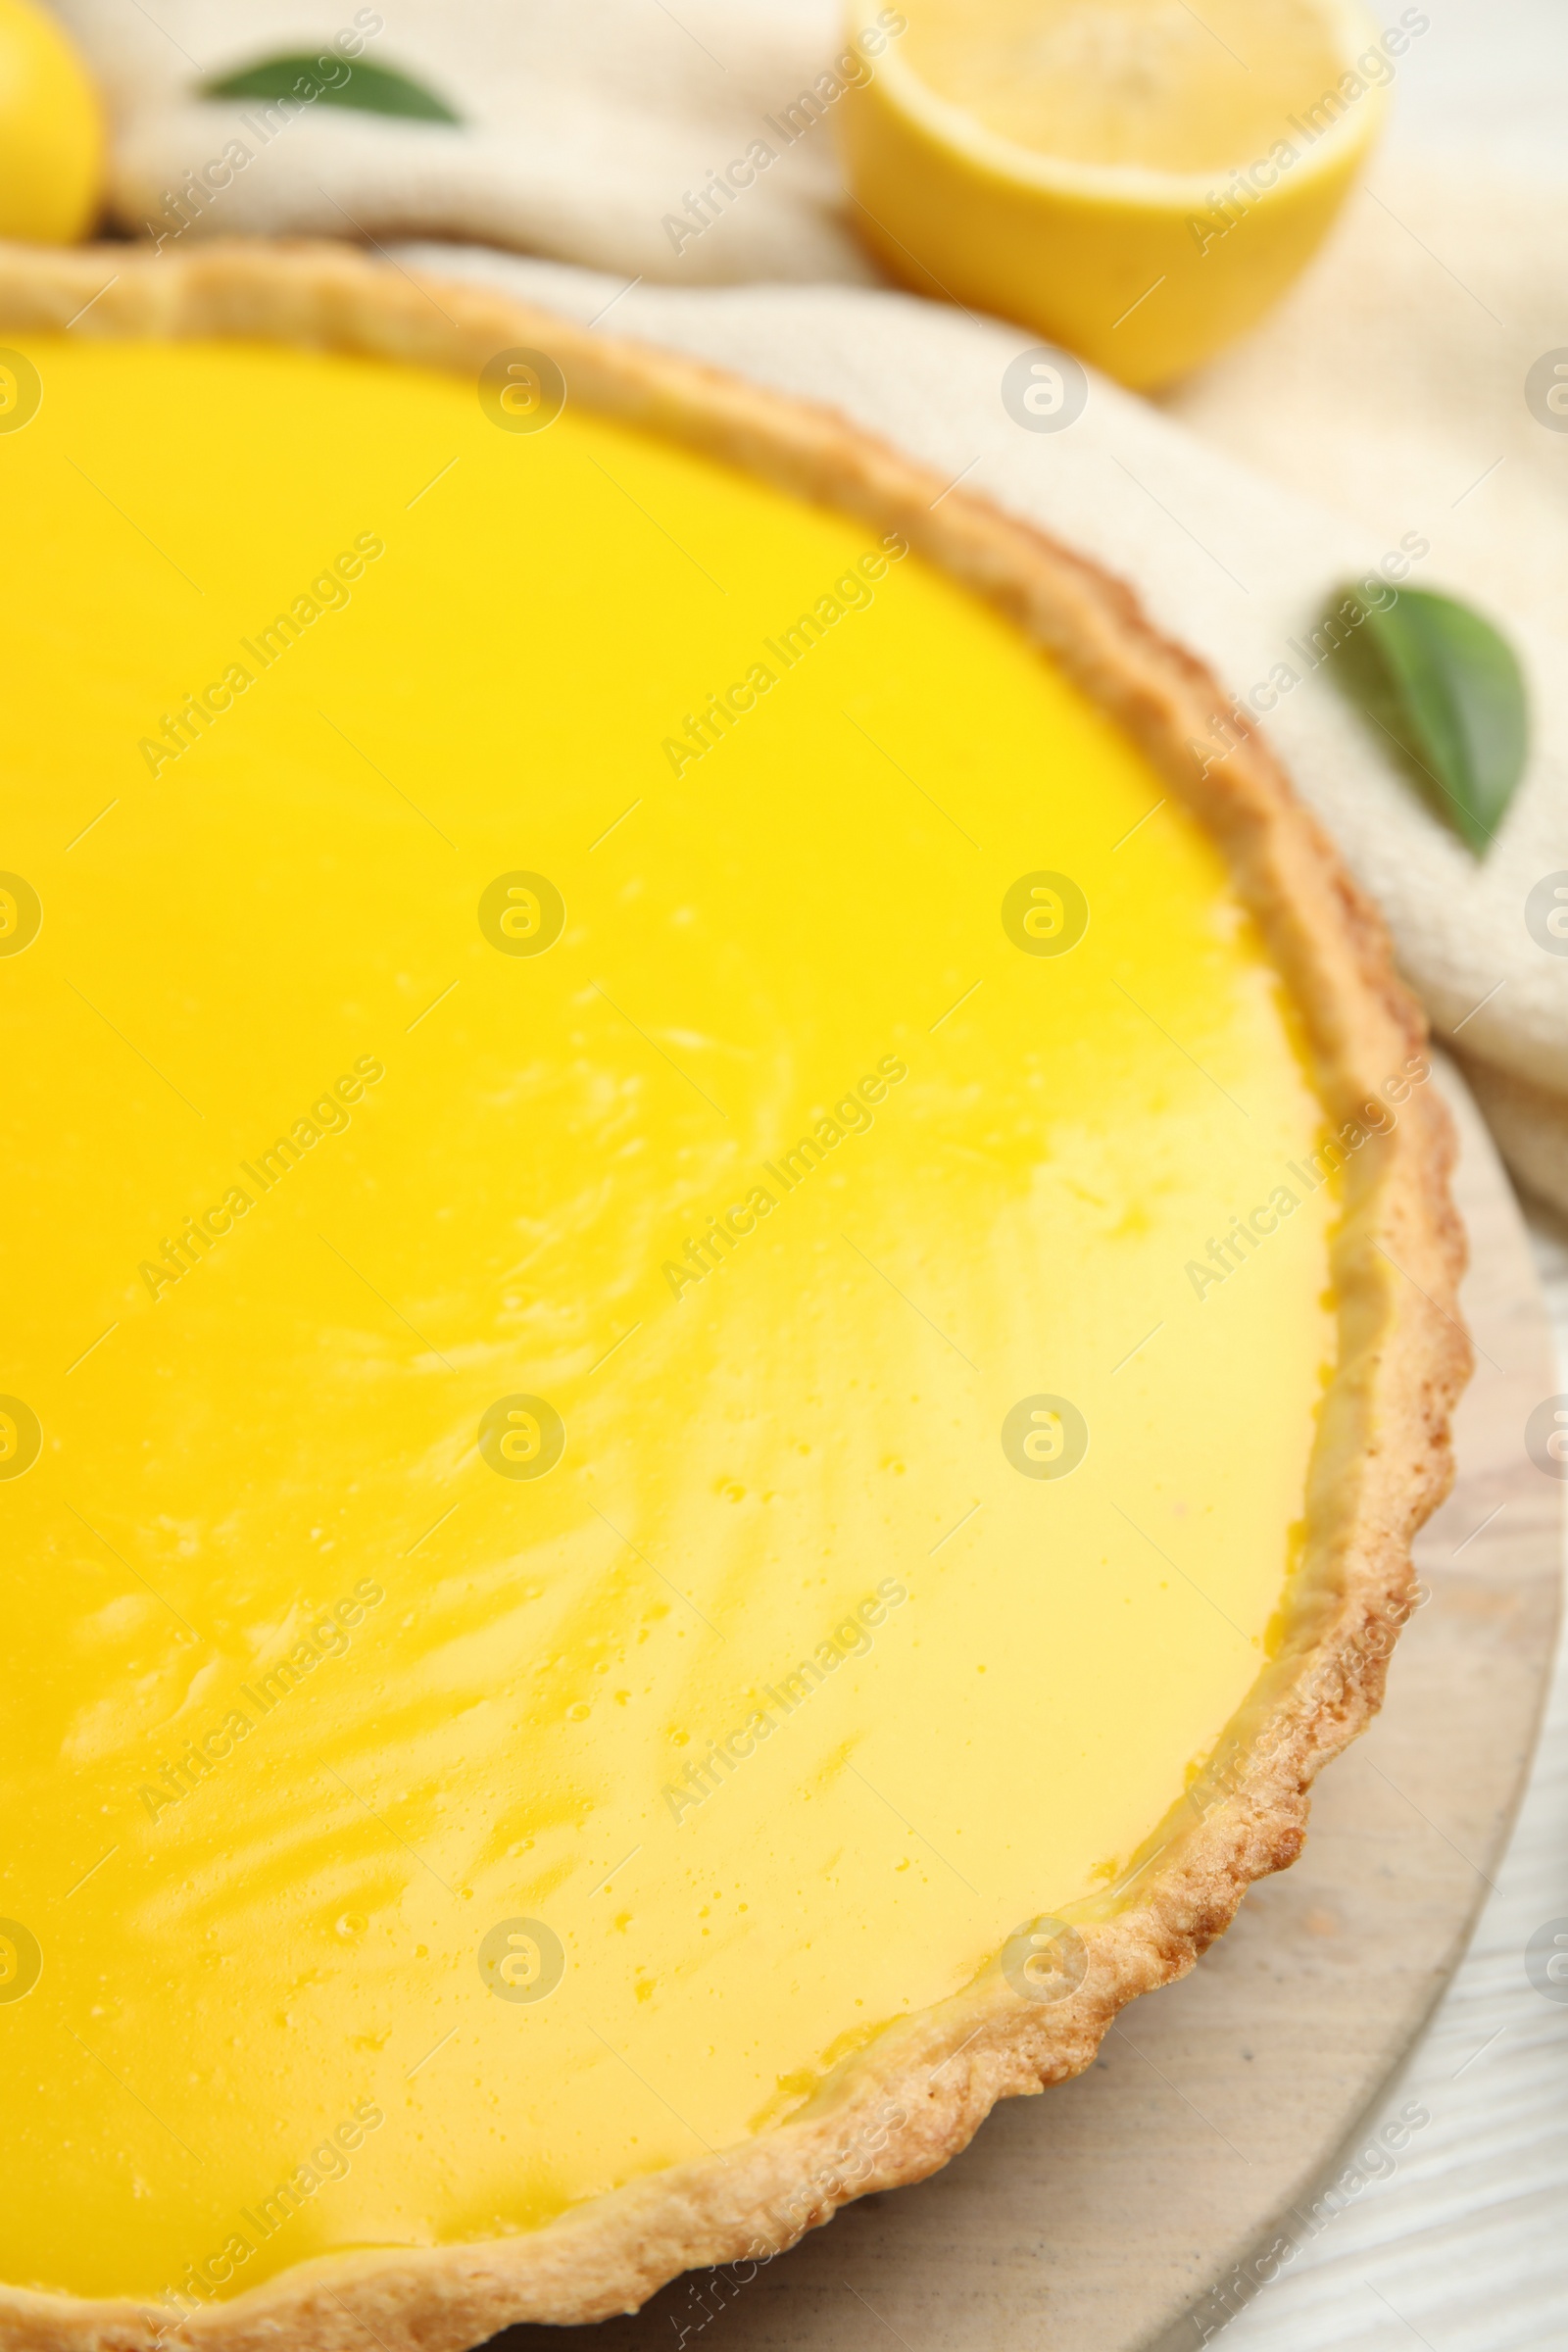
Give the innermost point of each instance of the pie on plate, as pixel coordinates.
(727, 1307)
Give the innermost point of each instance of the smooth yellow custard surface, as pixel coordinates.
(629, 1431)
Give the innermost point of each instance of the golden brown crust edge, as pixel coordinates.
(1382, 1461)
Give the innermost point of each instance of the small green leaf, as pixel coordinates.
(373, 89)
(1448, 688)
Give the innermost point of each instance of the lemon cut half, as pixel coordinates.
(1138, 180)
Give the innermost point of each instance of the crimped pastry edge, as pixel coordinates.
(1382, 1463)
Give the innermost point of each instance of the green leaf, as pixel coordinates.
(373, 89)
(1447, 689)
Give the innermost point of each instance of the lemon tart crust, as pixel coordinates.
(898, 2108)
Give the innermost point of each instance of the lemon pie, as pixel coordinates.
(726, 1307)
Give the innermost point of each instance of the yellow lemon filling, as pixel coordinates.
(1146, 82)
(635, 1414)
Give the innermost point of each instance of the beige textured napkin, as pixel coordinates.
(587, 125)
(1382, 410)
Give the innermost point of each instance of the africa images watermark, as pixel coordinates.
(849, 594)
(850, 72)
(203, 2281)
(1373, 69)
(850, 1116)
(327, 593)
(844, 2174)
(1378, 2160)
(1228, 1255)
(199, 1236)
(329, 1636)
(850, 1639)
(1373, 594)
(201, 187)
(1328, 1683)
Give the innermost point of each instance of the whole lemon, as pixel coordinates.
(51, 132)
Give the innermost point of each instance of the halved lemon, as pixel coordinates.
(1138, 180)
